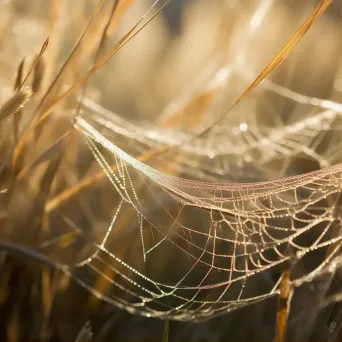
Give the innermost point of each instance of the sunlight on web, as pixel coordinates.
(196, 225)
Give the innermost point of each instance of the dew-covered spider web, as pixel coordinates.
(182, 225)
(221, 237)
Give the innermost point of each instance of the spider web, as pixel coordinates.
(186, 237)
(202, 248)
(174, 230)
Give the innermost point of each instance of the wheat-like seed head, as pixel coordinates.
(15, 102)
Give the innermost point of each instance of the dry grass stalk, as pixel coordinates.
(17, 84)
(56, 19)
(38, 75)
(36, 61)
(121, 9)
(283, 306)
(100, 46)
(19, 78)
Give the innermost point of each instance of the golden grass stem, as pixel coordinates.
(283, 306)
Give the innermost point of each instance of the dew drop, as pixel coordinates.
(243, 127)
